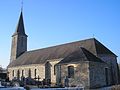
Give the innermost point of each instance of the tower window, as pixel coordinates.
(13, 40)
(70, 71)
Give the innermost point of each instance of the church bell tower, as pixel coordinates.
(19, 40)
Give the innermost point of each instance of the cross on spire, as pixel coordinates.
(93, 36)
(21, 5)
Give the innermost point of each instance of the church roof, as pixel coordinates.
(20, 26)
(40, 56)
(80, 55)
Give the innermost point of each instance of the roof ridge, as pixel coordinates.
(84, 50)
(103, 47)
(61, 44)
(60, 51)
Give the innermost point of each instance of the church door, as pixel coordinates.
(106, 75)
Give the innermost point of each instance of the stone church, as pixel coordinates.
(85, 63)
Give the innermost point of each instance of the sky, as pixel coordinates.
(54, 22)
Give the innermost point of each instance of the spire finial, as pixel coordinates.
(93, 36)
(21, 5)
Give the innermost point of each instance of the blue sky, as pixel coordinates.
(53, 22)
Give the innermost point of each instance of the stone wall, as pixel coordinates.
(40, 71)
(53, 70)
(112, 63)
(81, 74)
(97, 74)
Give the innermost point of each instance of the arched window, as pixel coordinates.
(70, 71)
(13, 73)
(22, 73)
(29, 73)
(54, 69)
(35, 72)
(18, 74)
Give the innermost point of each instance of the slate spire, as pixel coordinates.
(20, 30)
(19, 40)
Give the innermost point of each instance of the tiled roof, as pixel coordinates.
(80, 55)
(40, 56)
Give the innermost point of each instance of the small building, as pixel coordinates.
(3, 73)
